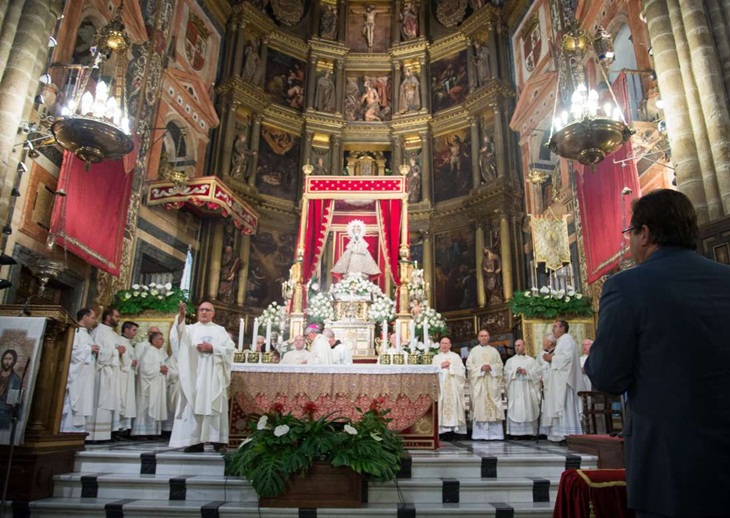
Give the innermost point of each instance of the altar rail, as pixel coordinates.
(409, 391)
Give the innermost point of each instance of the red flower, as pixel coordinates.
(278, 408)
(310, 408)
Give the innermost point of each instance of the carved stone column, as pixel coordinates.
(506, 249)
(500, 139)
(335, 167)
(245, 255)
(395, 24)
(216, 253)
(255, 141)
(426, 166)
(227, 136)
(341, 21)
(479, 245)
(493, 51)
(475, 146)
(428, 265)
(398, 159)
(339, 87)
(503, 50)
(423, 78)
(721, 32)
(11, 15)
(316, 16)
(669, 78)
(396, 86)
(311, 81)
(237, 66)
(264, 56)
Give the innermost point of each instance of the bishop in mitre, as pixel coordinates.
(151, 387)
(356, 258)
(204, 353)
(522, 377)
(486, 379)
(452, 407)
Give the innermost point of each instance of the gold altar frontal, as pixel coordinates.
(409, 391)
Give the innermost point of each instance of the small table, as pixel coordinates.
(409, 391)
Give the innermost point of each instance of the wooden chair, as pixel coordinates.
(598, 409)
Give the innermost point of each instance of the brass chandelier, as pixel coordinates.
(587, 132)
(95, 126)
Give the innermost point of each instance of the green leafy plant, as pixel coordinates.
(164, 298)
(282, 445)
(550, 303)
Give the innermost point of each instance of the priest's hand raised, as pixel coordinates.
(182, 309)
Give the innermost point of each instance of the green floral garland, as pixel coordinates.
(550, 303)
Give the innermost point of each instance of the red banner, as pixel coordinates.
(89, 221)
(605, 203)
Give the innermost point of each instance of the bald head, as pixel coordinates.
(299, 342)
(587, 343)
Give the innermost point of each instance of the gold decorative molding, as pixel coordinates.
(254, 99)
(283, 118)
(289, 45)
(449, 45)
(329, 49)
(366, 132)
(494, 92)
(449, 120)
(481, 23)
(256, 21)
(410, 122)
(368, 62)
(412, 48)
(323, 122)
(220, 10)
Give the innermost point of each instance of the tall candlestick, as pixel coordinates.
(241, 326)
(397, 335)
(255, 333)
(268, 336)
(384, 339)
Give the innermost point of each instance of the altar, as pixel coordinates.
(409, 391)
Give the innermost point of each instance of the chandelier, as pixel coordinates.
(588, 131)
(95, 125)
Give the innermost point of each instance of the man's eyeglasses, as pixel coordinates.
(628, 229)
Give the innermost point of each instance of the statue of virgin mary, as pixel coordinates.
(356, 258)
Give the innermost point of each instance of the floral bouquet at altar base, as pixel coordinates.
(548, 302)
(320, 309)
(283, 445)
(164, 298)
(382, 309)
(275, 314)
(353, 286)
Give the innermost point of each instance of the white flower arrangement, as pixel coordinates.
(547, 302)
(354, 285)
(436, 323)
(159, 297)
(319, 308)
(382, 309)
(275, 314)
(417, 286)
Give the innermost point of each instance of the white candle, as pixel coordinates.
(412, 332)
(268, 336)
(397, 335)
(416, 265)
(426, 338)
(384, 339)
(255, 333)
(241, 326)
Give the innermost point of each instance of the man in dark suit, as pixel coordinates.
(664, 340)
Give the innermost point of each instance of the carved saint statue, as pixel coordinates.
(328, 23)
(239, 159)
(487, 160)
(492, 272)
(368, 27)
(483, 63)
(324, 99)
(356, 258)
(228, 284)
(410, 93)
(252, 69)
(414, 181)
(409, 21)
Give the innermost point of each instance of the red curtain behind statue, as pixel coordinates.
(604, 210)
(319, 216)
(90, 219)
(389, 217)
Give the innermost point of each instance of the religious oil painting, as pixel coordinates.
(721, 253)
(455, 273)
(368, 98)
(452, 165)
(368, 27)
(278, 164)
(272, 253)
(449, 81)
(20, 349)
(285, 80)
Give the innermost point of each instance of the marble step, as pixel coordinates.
(149, 460)
(423, 490)
(101, 508)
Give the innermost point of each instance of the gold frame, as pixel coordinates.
(534, 328)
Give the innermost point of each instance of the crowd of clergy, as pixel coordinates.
(541, 393)
(117, 389)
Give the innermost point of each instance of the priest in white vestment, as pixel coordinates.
(522, 377)
(173, 391)
(486, 380)
(106, 381)
(548, 346)
(78, 405)
(452, 407)
(128, 377)
(393, 348)
(139, 346)
(562, 405)
(204, 353)
(341, 354)
(320, 348)
(151, 388)
(583, 357)
(299, 355)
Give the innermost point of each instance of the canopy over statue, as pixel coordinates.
(356, 258)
